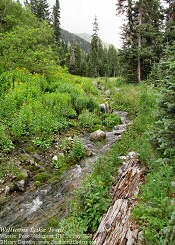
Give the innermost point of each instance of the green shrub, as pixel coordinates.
(168, 232)
(78, 150)
(44, 141)
(88, 120)
(111, 120)
(155, 205)
(60, 162)
(91, 202)
(6, 144)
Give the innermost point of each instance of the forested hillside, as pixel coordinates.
(69, 116)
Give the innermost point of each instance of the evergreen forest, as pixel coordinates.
(56, 91)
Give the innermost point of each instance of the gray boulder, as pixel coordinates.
(104, 107)
(20, 185)
(98, 135)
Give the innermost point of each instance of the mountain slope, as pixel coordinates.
(85, 36)
(69, 37)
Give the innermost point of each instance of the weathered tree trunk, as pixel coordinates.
(117, 226)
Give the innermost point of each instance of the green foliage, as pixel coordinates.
(154, 210)
(78, 150)
(13, 14)
(111, 120)
(89, 120)
(142, 36)
(42, 177)
(92, 201)
(75, 229)
(6, 144)
(164, 131)
(127, 99)
(28, 47)
(169, 232)
(44, 141)
(38, 107)
(60, 162)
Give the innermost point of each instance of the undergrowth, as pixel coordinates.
(38, 108)
(94, 197)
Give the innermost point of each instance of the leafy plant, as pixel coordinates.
(91, 202)
(6, 144)
(89, 120)
(78, 151)
(60, 162)
(111, 120)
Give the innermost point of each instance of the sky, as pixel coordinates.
(77, 16)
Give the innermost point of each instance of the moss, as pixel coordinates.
(42, 177)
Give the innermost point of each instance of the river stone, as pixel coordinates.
(104, 107)
(118, 132)
(20, 185)
(97, 135)
(7, 190)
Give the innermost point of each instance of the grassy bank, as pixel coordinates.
(93, 199)
(43, 111)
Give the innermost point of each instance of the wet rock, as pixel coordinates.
(173, 183)
(104, 108)
(119, 127)
(20, 185)
(70, 139)
(89, 153)
(119, 132)
(7, 190)
(101, 87)
(38, 157)
(97, 135)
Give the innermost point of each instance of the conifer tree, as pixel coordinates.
(142, 36)
(41, 9)
(95, 49)
(164, 132)
(56, 20)
(170, 21)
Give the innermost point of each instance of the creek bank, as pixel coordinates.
(36, 206)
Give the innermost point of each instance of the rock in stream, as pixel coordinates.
(35, 207)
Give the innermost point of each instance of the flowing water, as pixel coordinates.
(35, 207)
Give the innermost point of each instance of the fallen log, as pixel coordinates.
(117, 226)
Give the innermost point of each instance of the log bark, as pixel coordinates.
(117, 226)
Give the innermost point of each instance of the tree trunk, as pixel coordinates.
(117, 226)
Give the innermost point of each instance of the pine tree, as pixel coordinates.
(113, 62)
(41, 9)
(164, 133)
(56, 20)
(170, 21)
(95, 49)
(142, 37)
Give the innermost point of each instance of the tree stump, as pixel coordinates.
(117, 226)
